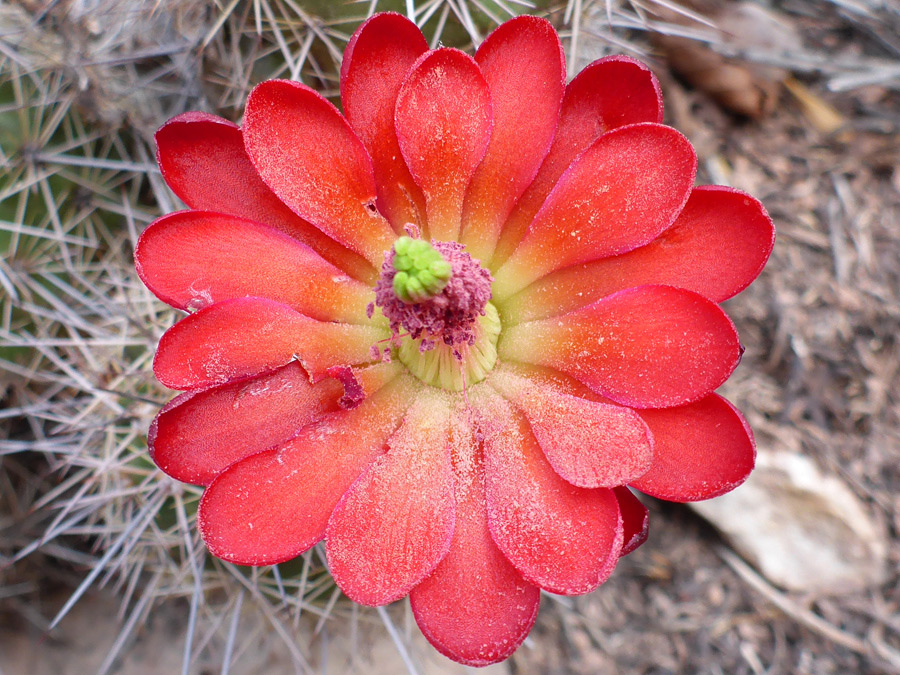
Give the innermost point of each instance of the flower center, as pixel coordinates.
(435, 297)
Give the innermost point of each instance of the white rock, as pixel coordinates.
(804, 531)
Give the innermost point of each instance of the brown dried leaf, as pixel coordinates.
(738, 86)
(733, 86)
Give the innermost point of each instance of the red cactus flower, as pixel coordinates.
(445, 331)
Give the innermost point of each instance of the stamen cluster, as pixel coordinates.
(422, 271)
(448, 316)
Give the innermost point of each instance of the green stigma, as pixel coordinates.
(422, 272)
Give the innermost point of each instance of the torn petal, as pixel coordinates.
(197, 435)
(272, 506)
(247, 336)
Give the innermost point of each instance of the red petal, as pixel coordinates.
(717, 246)
(635, 519)
(619, 194)
(306, 152)
(475, 608)
(239, 338)
(202, 158)
(191, 259)
(647, 347)
(562, 538)
(272, 506)
(376, 61)
(525, 68)
(394, 525)
(702, 450)
(197, 435)
(612, 92)
(590, 444)
(443, 122)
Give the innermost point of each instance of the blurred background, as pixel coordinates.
(101, 570)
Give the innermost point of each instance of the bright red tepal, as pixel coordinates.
(486, 440)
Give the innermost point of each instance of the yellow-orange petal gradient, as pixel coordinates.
(525, 69)
(377, 59)
(717, 247)
(443, 120)
(309, 156)
(646, 347)
(621, 193)
(609, 93)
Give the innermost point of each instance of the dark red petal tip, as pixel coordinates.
(635, 519)
(272, 506)
(391, 25)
